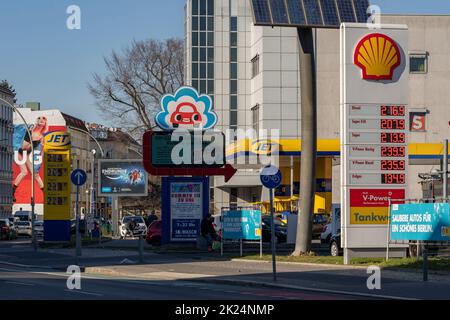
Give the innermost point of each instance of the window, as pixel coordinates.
(418, 63)
(233, 103)
(255, 118)
(233, 86)
(255, 66)
(233, 71)
(233, 54)
(233, 24)
(233, 39)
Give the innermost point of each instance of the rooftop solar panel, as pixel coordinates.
(261, 12)
(279, 13)
(361, 10)
(329, 11)
(346, 12)
(313, 14)
(296, 13)
(309, 13)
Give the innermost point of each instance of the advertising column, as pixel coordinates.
(374, 99)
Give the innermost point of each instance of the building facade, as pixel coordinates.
(256, 81)
(6, 153)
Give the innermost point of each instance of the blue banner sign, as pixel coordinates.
(242, 224)
(420, 222)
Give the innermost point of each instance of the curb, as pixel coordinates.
(250, 283)
(334, 266)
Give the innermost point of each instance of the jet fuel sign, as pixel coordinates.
(374, 99)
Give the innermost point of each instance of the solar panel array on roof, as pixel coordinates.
(309, 13)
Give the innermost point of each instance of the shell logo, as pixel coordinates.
(378, 56)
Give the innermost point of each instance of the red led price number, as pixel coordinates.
(393, 165)
(393, 178)
(393, 111)
(393, 138)
(393, 152)
(393, 124)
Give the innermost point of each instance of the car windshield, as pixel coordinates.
(136, 219)
(23, 223)
(277, 222)
(39, 224)
(320, 219)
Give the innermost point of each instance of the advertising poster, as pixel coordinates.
(40, 123)
(242, 224)
(122, 178)
(186, 206)
(420, 222)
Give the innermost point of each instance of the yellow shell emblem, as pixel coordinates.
(378, 56)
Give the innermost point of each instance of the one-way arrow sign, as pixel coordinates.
(78, 177)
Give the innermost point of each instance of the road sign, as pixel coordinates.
(271, 177)
(205, 170)
(78, 177)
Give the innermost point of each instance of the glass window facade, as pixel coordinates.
(418, 63)
(203, 46)
(233, 73)
(6, 156)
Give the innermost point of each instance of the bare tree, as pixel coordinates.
(130, 92)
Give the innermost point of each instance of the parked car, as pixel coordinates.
(39, 228)
(335, 245)
(280, 230)
(24, 228)
(319, 221)
(140, 230)
(326, 234)
(23, 215)
(154, 233)
(7, 230)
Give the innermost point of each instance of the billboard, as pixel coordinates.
(40, 123)
(122, 178)
(420, 222)
(242, 224)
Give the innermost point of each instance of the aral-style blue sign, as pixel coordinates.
(78, 177)
(420, 222)
(186, 109)
(242, 224)
(271, 177)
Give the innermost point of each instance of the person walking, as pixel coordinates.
(208, 232)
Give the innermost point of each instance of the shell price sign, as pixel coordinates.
(374, 100)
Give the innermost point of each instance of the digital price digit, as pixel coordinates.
(393, 124)
(393, 111)
(393, 178)
(393, 165)
(393, 152)
(393, 137)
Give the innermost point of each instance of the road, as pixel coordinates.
(18, 282)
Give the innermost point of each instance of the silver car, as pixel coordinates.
(39, 228)
(23, 228)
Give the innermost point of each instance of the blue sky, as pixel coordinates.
(48, 63)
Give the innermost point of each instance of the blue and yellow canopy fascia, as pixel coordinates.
(325, 147)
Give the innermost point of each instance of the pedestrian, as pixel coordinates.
(208, 232)
(152, 218)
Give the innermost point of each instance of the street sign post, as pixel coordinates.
(271, 179)
(78, 178)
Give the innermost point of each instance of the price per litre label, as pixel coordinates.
(376, 111)
(377, 179)
(377, 124)
(377, 165)
(376, 151)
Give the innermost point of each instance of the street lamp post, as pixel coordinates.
(33, 218)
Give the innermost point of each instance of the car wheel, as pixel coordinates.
(334, 249)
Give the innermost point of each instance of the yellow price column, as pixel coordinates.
(57, 191)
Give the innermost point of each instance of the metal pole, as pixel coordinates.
(33, 218)
(274, 263)
(388, 230)
(445, 178)
(425, 263)
(223, 239)
(78, 235)
(241, 250)
(141, 249)
(260, 239)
